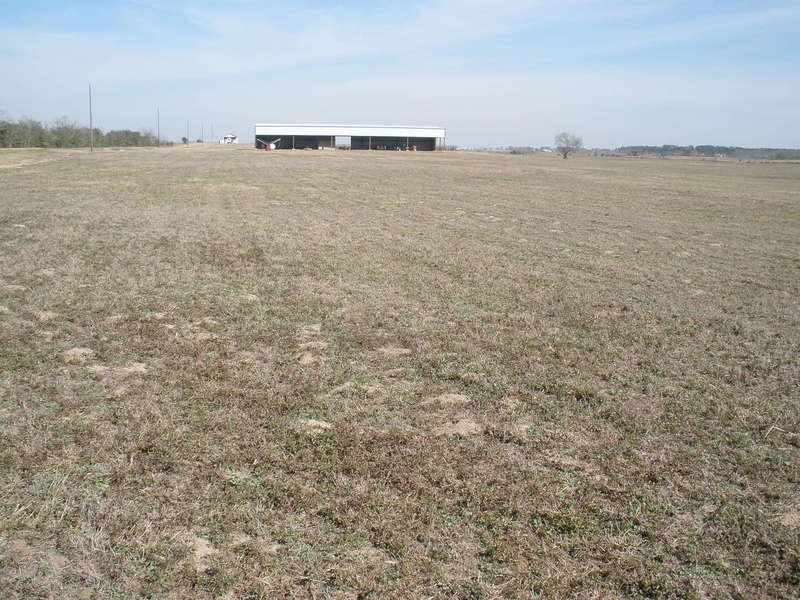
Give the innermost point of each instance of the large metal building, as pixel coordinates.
(361, 137)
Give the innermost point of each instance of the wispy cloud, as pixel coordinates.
(725, 25)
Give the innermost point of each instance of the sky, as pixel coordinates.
(494, 73)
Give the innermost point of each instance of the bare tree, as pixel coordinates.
(567, 142)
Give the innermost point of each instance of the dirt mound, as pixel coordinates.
(459, 428)
(77, 355)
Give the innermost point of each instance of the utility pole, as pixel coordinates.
(187, 132)
(202, 133)
(212, 132)
(91, 124)
(158, 126)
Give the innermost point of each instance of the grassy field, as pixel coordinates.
(236, 374)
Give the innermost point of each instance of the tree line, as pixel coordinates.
(711, 150)
(63, 133)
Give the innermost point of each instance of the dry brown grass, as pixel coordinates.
(398, 375)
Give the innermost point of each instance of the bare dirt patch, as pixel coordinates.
(313, 329)
(77, 355)
(202, 553)
(44, 316)
(312, 426)
(460, 428)
(344, 387)
(121, 372)
(392, 352)
(451, 399)
(315, 345)
(398, 372)
(306, 358)
(791, 518)
(203, 336)
(207, 322)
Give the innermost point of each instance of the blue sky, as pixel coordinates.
(494, 73)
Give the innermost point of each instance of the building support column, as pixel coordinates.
(407, 146)
(292, 142)
(369, 143)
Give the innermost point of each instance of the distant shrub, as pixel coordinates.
(63, 133)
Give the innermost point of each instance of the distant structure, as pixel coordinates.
(359, 137)
(229, 139)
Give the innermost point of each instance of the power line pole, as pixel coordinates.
(202, 133)
(187, 132)
(91, 124)
(158, 126)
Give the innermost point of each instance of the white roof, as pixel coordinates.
(348, 130)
